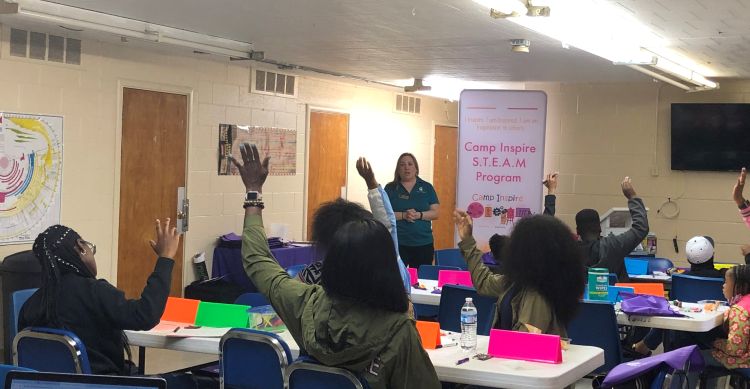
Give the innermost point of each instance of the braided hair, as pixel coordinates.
(741, 276)
(56, 250)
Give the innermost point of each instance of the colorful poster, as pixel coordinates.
(500, 158)
(279, 143)
(30, 175)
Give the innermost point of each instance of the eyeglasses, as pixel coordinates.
(92, 246)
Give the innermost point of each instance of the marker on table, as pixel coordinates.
(176, 329)
(461, 361)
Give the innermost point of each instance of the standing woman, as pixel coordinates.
(416, 204)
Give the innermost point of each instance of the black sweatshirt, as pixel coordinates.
(97, 312)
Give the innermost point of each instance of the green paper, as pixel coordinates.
(221, 315)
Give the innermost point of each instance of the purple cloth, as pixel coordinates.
(228, 263)
(488, 259)
(686, 358)
(646, 305)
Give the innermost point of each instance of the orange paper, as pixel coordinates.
(180, 310)
(429, 331)
(650, 288)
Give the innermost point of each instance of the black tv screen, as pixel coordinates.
(711, 137)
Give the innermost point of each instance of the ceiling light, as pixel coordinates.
(607, 30)
(78, 18)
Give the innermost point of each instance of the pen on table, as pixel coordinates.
(460, 361)
(176, 329)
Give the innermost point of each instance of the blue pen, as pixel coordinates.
(460, 361)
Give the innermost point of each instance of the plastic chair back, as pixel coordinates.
(251, 359)
(693, 288)
(430, 272)
(450, 257)
(595, 324)
(254, 299)
(294, 269)
(652, 288)
(308, 374)
(453, 298)
(50, 350)
(17, 299)
(4, 369)
(659, 264)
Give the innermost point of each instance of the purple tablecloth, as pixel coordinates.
(228, 262)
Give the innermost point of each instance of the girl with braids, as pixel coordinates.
(734, 351)
(72, 298)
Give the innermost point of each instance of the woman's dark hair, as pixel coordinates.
(361, 266)
(330, 217)
(497, 244)
(543, 256)
(741, 276)
(396, 178)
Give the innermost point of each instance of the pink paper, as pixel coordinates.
(413, 275)
(525, 346)
(454, 277)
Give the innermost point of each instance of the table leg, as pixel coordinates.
(141, 360)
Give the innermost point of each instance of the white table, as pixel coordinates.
(694, 322)
(496, 372)
(426, 297)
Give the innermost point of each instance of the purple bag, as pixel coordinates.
(646, 305)
(684, 359)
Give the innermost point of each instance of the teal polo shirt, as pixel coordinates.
(421, 197)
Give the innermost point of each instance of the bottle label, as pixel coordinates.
(468, 319)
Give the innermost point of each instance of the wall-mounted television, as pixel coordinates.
(710, 137)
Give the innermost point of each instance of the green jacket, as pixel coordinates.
(338, 332)
(529, 307)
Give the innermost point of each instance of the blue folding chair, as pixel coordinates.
(450, 257)
(612, 278)
(254, 299)
(694, 288)
(306, 373)
(18, 298)
(453, 297)
(253, 359)
(595, 324)
(659, 264)
(5, 369)
(50, 350)
(294, 269)
(430, 272)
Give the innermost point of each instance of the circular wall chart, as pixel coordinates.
(30, 175)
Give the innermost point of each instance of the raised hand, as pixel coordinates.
(167, 240)
(253, 171)
(551, 182)
(627, 188)
(739, 187)
(365, 171)
(464, 223)
(745, 249)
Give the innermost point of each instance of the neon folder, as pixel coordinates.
(222, 315)
(180, 310)
(636, 267)
(525, 346)
(652, 288)
(454, 277)
(429, 332)
(413, 275)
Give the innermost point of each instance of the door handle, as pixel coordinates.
(183, 211)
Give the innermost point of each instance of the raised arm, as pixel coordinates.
(549, 200)
(629, 240)
(485, 282)
(145, 312)
(286, 294)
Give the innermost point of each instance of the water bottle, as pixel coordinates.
(469, 326)
(199, 261)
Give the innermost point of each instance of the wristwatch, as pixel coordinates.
(253, 199)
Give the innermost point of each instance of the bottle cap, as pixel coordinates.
(200, 257)
(469, 299)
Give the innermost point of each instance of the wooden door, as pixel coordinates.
(444, 181)
(154, 136)
(327, 161)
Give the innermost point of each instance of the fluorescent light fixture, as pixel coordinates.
(607, 30)
(67, 16)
